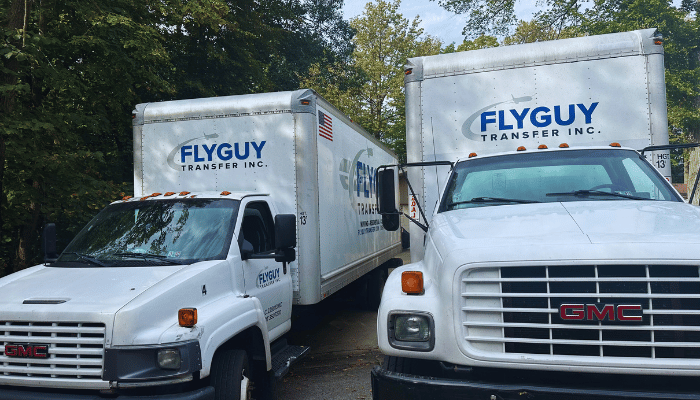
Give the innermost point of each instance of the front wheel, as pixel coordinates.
(230, 375)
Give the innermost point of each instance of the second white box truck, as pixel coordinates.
(244, 207)
(553, 261)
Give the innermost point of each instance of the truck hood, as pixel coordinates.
(93, 290)
(577, 224)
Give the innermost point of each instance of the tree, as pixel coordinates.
(72, 72)
(369, 86)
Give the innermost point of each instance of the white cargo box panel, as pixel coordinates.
(583, 92)
(293, 146)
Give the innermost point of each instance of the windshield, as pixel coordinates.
(162, 232)
(571, 175)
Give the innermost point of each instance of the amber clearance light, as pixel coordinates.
(187, 317)
(412, 282)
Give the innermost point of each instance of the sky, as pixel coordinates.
(438, 22)
(435, 20)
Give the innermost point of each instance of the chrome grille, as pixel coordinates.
(516, 310)
(75, 353)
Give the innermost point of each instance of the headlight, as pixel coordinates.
(147, 364)
(411, 330)
(169, 359)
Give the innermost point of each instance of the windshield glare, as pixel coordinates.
(161, 232)
(562, 176)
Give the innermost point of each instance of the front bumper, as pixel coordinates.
(9, 393)
(393, 385)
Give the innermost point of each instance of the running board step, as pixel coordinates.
(286, 357)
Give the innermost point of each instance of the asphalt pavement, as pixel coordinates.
(343, 340)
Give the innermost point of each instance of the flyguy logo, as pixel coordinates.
(213, 156)
(358, 178)
(493, 123)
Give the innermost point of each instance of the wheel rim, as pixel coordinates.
(245, 388)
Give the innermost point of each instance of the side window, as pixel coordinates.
(257, 227)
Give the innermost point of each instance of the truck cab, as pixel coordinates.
(548, 273)
(149, 295)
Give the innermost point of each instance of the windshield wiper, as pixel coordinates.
(492, 200)
(158, 257)
(87, 258)
(585, 193)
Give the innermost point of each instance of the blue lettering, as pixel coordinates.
(258, 149)
(360, 167)
(589, 111)
(184, 152)
(485, 120)
(224, 152)
(209, 151)
(557, 115)
(197, 158)
(501, 119)
(545, 120)
(520, 117)
(238, 153)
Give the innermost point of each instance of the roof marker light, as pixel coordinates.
(521, 148)
(225, 193)
(125, 198)
(169, 193)
(564, 146)
(615, 144)
(155, 194)
(408, 71)
(472, 155)
(542, 147)
(184, 193)
(305, 102)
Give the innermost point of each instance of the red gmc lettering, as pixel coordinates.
(608, 309)
(571, 311)
(28, 351)
(621, 313)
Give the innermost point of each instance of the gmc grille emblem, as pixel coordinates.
(601, 312)
(31, 350)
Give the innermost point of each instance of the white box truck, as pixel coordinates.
(244, 206)
(552, 260)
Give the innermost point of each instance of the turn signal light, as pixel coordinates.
(187, 317)
(412, 282)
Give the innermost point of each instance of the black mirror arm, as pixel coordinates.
(420, 209)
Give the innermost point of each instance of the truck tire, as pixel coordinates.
(230, 375)
(375, 286)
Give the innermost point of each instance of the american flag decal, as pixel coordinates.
(325, 126)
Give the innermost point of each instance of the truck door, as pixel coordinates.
(265, 279)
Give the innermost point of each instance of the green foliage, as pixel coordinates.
(369, 85)
(72, 71)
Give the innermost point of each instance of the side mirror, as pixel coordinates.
(246, 250)
(285, 231)
(386, 193)
(48, 243)
(285, 237)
